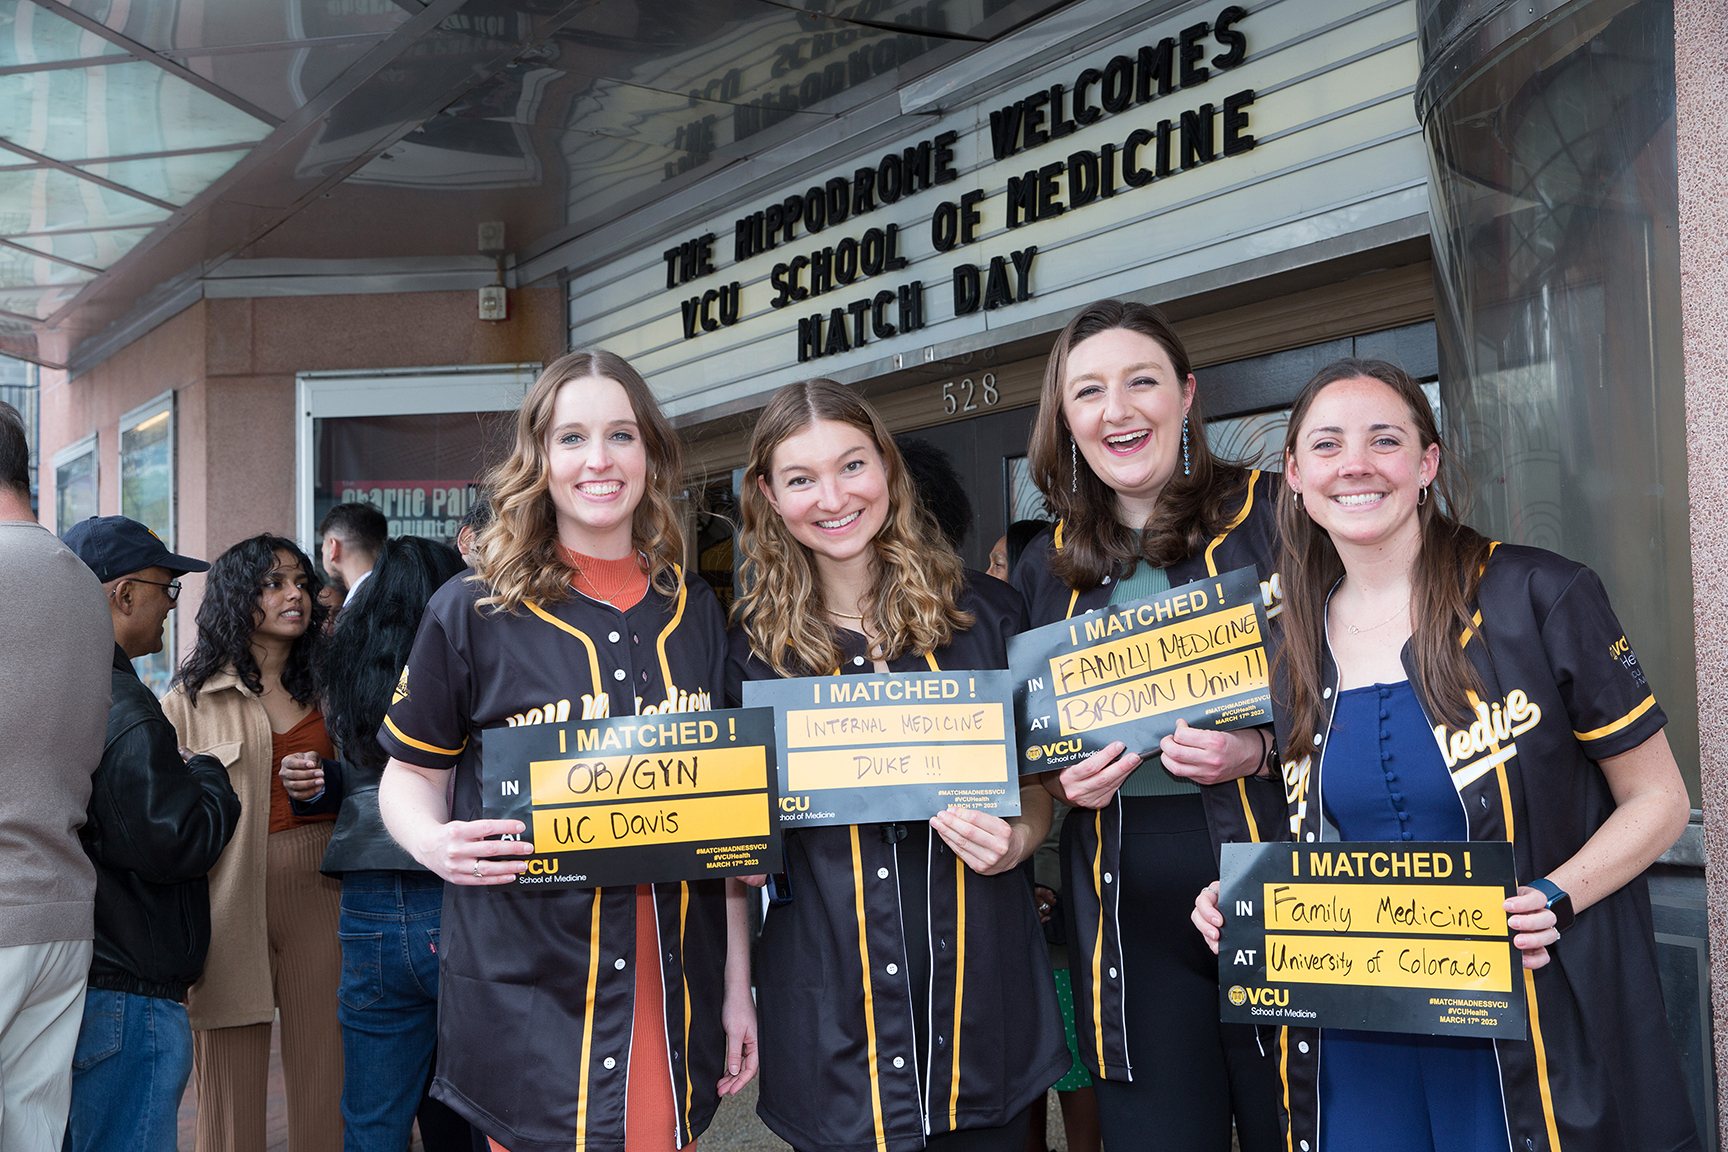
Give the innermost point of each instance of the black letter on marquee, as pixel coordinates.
(879, 322)
(709, 324)
(1022, 199)
(1156, 64)
(970, 217)
(1082, 178)
(996, 292)
(1118, 83)
(859, 309)
(730, 297)
(1234, 43)
(1033, 132)
(872, 251)
(912, 306)
(895, 261)
(1132, 174)
(863, 191)
(839, 206)
(837, 341)
(888, 178)
(815, 210)
(1085, 113)
(945, 226)
(1197, 137)
(1237, 141)
(945, 173)
(809, 337)
(1107, 170)
(1191, 52)
(965, 289)
(1023, 272)
(1048, 204)
(1059, 126)
(846, 261)
(783, 290)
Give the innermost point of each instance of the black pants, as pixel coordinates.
(1192, 1074)
(1011, 1137)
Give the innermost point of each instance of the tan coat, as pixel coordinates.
(229, 722)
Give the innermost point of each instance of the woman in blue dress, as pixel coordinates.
(1437, 685)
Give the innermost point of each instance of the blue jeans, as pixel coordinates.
(129, 1071)
(388, 1003)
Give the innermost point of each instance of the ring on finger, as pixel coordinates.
(477, 870)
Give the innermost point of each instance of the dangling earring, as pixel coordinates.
(1298, 501)
(1073, 465)
(1421, 495)
(1185, 470)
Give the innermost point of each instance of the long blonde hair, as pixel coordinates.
(516, 555)
(913, 597)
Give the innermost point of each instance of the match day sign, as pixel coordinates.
(638, 799)
(893, 746)
(1401, 937)
(1130, 671)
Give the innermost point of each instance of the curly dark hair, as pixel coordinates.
(226, 621)
(939, 486)
(372, 640)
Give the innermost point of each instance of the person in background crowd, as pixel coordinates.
(53, 710)
(390, 904)
(333, 595)
(1011, 545)
(1119, 452)
(939, 487)
(247, 694)
(893, 931)
(1402, 627)
(350, 537)
(478, 517)
(157, 823)
(577, 608)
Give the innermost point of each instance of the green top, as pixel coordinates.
(1149, 779)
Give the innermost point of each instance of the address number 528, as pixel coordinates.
(965, 395)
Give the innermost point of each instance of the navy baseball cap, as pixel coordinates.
(114, 546)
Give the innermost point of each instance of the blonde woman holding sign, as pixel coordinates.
(558, 1004)
(1119, 451)
(911, 997)
(1437, 685)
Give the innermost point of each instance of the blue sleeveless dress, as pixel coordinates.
(1383, 779)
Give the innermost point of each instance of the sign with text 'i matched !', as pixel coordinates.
(638, 799)
(1399, 937)
(1130, 671)
(893, 746)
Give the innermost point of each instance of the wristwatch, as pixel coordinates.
(1559, 902)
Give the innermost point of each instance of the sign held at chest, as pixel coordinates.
(894, 746)
(1128, 672)
(638, 799)
(1397, 937)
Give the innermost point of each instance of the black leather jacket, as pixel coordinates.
(155, 828)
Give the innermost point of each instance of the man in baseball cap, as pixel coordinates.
(156, 824)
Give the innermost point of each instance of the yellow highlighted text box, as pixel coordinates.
(1446, 909)
(907, 764)
(1389, 962)
(1178, 692)
(649, 822)
(647, 774)
(1141, 653)
(889, 723)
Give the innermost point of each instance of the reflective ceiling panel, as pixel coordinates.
(48, 200)
(36, 303)
(177, 25)
(33, 35)
(99, 249)
(24, 270)
(176, 179)
(279, 80)
(80, 113)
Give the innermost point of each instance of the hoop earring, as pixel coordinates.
(1073, 464)
(1421, 495)
(1298, 501)
(1185, 470)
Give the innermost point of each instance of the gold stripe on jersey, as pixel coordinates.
(684, 973)
(1248, 809)
(425, 747)
(593, 656)
(1247, 505)
(869, 996)
(1098, 944)
(959, 986)
(1284, 1075)
(677, 615)
(1610, 729)
(588, 1024)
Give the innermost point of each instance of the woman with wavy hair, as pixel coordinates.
(248, 695)
(913, 1003)
(1119, 451)
(390, 904)
(577, 609)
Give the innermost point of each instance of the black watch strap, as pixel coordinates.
(1559, 902)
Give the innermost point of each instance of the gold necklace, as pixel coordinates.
(629, 579)
(1355, 631)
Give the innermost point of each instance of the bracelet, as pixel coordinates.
(1266, 756)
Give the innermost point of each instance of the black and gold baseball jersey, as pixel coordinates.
(900, 994)
(537, 986)
(1241, 810)
(1562, 690)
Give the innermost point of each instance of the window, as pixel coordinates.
(147, 496)
(74, 483)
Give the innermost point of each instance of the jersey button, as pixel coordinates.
(893, 969)
(618, 674)
(881, 873)
(618, 963)
(1112, 973)
(609, 1062)
(612, 636)
(899, 1062)
(858, 660)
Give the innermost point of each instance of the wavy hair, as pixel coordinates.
(226, 621)
(913, 597)
(1448, 571)
(1192, 509)
(516, 555)
(372, 639)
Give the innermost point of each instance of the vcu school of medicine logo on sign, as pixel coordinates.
(401, 692)
(1238, 995)
(1034, 752)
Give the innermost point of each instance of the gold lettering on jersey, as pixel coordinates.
(555, 713)
(1487, 743)
(1296, 775)
(677, 700)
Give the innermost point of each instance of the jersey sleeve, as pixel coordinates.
(1611, 706)
(428, 720)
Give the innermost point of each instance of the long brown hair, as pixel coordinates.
(912, 599)
(1192, 509)
(517, 554)
(1448, 570)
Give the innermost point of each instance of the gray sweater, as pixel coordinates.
(56, 645)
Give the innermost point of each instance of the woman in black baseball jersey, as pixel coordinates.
(555, 1006)
(1437, 685)
(1119, 451)
(907, 998)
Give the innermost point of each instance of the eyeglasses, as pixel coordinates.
(173, 587)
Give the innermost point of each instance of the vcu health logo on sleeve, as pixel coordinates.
(401, 692)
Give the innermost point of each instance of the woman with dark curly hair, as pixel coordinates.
(248, 696)
(390, 904)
